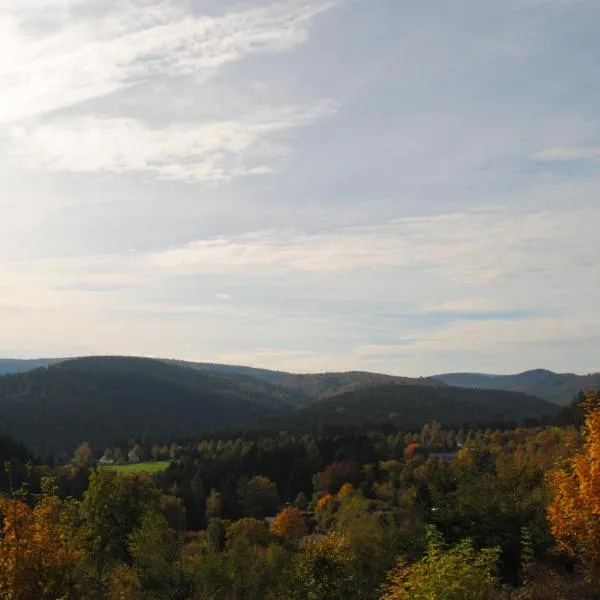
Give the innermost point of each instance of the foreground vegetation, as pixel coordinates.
(437, 514)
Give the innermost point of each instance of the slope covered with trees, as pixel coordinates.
(555, 387)
(559, 388)
(407, 407)
(319, 386)
(104, 400)
(108, 400)
(309, 387)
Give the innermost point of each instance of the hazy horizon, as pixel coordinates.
(302, 185)
(295, 371)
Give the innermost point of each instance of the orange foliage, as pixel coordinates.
(574, 510)
(35, 557)
(345, 490)
(323, 503)
(410, 450)
(289, 524)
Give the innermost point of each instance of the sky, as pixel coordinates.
(309, 185)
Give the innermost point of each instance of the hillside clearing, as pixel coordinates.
(142, 467)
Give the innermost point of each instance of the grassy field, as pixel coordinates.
(142, 467)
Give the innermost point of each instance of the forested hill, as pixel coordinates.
(314, 386)
(555, 387)
(327, 385)
(305, 388)
(408, 407)
(105, 400)
(300, 388)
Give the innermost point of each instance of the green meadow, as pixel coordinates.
(141, 467)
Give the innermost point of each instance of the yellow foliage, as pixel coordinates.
(345, 490)
(124, 584)
(35, 554)
(574, 511)
(394, 589)
(253, 530)
(326, 545)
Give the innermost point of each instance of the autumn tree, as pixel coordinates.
(346, 490)
(323, 503)
(36, 555)
(289, 525)
(574, 511)
(459, 573)
(325, 509)
(323, 568)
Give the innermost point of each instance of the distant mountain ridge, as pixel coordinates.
(559, 388)
(111, 399)
(408, 407)
(316, 386)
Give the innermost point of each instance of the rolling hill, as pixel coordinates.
(104, 400)
(408, 407)
(321, 386)
(310, 387)
(291, 387)
(559, 388)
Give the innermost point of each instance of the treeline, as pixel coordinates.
(437, 514)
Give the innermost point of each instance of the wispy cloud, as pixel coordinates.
(81, 57)
(468, 246)
(212, 152)
(428, 206)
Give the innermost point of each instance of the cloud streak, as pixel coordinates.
(475, 246)
(78, 60)
(212, 152)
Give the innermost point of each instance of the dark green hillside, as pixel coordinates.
(555, 387)
(261, 374)
(236, 385)
(18, 456)
(320, 386)
(409, 407)
(104, 400)
(304, 388)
